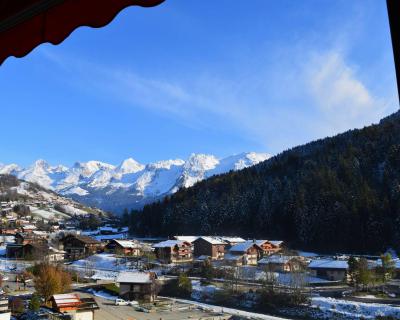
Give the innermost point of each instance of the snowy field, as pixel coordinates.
(331, 307)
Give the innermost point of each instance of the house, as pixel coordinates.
(213, 247)
(245, 253)
(231, 241)
(79, 246)
(34, 251)
(270, 246)
(5, 312)
(28, 228)
(25, 238)
(138, 286)
(281, 263)
(330, 269)
(173, 251)
(125, 247)
(75, 307)
(189, 239)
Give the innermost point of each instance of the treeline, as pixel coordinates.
(335, 194)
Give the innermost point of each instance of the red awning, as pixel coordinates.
(24, 24)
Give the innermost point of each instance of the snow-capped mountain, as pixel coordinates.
(130, 184)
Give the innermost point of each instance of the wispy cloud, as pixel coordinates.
(319, 94)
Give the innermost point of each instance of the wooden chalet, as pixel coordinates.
(270, 246)
(138, 286)
(173, 251)
(245, 253)
(281, 263)
(79, 246)
(213, 247)
(74, 306)
(125, 247)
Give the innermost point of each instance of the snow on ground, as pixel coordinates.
(249, 315)
(74, 211)
(354, 310)
(3, 250)
(102, 261)
(254, 273)
(102, 294)
(13, 265)
(200, 292)
(47, 213)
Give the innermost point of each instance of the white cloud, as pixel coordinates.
(280, 106)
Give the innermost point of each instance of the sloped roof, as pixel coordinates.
(328, 264)
(66, 300)
(186, 238)
(134, 277)
(213, 240)
(85, 239)
(168, 244)
(233, 239)
(276, 242)
(243, 247)
(127, 244)
(277, 259)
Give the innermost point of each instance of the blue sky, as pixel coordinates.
(203, 76)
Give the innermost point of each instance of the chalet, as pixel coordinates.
(330, 269)
(5, 312)
(125, 247)
(173, 251)
(25, 238)
(209, 246)
(34, 251)
(281, 263)
(231, 241)
(28, 228)
(245, 253)
(9, 231)
(79, 246)
(270, 246)
(189, 239)
(74, 306)
(138, 286)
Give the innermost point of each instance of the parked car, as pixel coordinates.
(121, 302)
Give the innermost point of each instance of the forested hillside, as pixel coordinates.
(340, 193)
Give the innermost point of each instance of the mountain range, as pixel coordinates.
(129, 184)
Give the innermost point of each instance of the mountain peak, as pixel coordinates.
(130, 184)
(129, 166)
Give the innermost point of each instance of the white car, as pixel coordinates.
(121, 302)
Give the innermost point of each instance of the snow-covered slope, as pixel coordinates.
(129, 184)
(43, 203)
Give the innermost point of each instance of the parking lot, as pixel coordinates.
(108, 311)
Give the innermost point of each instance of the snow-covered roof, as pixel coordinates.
(328, 264)
(243, 247)
(233, 239)
(186, 238)
(278, 259)
(66, 299)
(127, 243)
(168, 244)
(134, 277)
(213, 240)
(276, 242)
